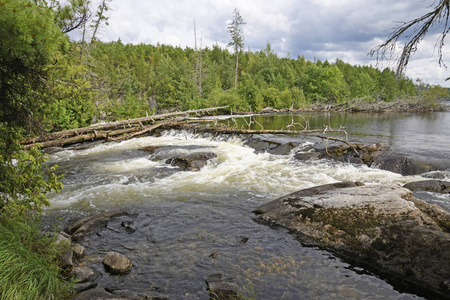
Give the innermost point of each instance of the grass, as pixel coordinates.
(29, 267)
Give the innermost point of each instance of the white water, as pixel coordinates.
(113, 173)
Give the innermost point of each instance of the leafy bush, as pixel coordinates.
(24, 177)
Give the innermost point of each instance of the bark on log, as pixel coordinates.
(105, 131)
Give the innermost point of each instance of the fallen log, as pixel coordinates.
(107, 130)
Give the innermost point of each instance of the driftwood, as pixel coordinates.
(110, 131)
(135, 127)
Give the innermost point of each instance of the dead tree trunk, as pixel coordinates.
(127, 129)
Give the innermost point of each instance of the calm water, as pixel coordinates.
(423, 135)
(194, 224)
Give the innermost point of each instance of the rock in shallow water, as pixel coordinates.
(117, 264)
(437, 186)
(191, 162)
(383, 226)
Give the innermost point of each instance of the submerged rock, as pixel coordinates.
(192, 162)
(91, 224)
(221, 288)
(383, 226)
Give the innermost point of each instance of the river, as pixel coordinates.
(191, 225)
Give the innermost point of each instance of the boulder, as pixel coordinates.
(83, 274)
(117, 264)
(382, 226)
(437, 186)
(191, 162)
(91, 224)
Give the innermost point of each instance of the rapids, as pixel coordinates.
(194, 224)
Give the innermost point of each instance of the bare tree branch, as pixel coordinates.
(414, 32)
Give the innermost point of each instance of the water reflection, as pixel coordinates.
(424, 135)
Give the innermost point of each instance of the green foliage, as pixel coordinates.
(433, 95)
(29, 41)
(29, 267)
(24, 177)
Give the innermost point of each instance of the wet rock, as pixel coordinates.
(67, 259)
(192, 162)
(129, 226)
(117, 264)
(437, 186)
(78, 250)
(221, 289)
(127, 294)
(308, 156)
(63, 237)
(96, 293)
(81, 287)
(283, 149)
(83, 274)
(244, 240)
(214, 254)
(383, 226)
(261, 145)
(91, 224)
(375, 155)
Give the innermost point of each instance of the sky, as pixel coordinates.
(315, 29)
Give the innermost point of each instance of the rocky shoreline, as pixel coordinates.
(364, 105)
(381, 226)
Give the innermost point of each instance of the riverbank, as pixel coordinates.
(364, 105)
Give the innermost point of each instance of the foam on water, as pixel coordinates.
(114, 173)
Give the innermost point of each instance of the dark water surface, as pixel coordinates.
(191, 225)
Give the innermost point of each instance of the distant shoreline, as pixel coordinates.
(358, 105)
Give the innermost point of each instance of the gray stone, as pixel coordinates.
(437, 186)
(192, 162)
(91, 224)
(383, 226)
(283, 149)
(117, 264)
(91, 294)
(81, 287)
(78, 250)
(83, 274)
(67, 259)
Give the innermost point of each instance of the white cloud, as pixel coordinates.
(327, 29)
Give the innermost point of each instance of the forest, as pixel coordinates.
(119, 81)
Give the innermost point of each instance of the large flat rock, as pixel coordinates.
(383, 226)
